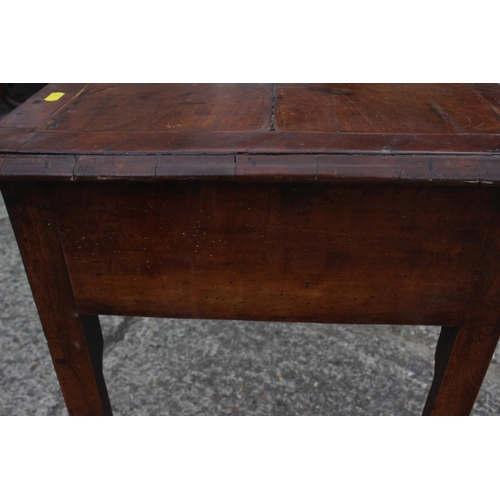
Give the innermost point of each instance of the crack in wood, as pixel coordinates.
(273, 104)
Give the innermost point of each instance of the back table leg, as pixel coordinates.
(462, 359)
(75, 342)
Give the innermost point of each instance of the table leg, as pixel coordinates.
(75, 342)
(464, 353)
(462, 359)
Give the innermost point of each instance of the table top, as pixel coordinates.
(307, 132)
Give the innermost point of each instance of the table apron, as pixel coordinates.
(336, 253)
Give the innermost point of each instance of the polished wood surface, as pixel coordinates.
(287, 202)
(267, 118)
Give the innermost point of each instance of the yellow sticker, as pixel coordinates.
(55, 96)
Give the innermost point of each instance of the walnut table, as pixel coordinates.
(321, 203)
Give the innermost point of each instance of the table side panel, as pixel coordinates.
(277, 252)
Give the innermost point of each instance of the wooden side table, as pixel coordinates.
(325, 203)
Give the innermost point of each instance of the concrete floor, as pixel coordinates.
(184, 367)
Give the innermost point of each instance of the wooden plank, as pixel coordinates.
(284, 168)
(114, 167)
(11, 139)
(278, 252)
(160, 108)
(200, 142)
(421, 108)
(465, 352)
(449, 170)
(373, 108)
(467, 113)
(43, 167)
(75, 342)
(356, 168)
(191, 167)
(306, 108)
(382, 108)
(415, 169)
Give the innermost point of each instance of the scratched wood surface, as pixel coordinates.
(282, 252)
(258, 118)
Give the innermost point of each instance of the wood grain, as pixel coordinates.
(435, 169)
(75, 341)
(261, 119)
(384, 108)
(174, 107)
(250, 142)
(277, 252)
(110, 167)
(42, 167)
(201, 167)
(414, 169)
(279, 168)
(357, 168)
(306, 108)
(11, 139)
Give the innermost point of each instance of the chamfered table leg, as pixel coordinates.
(464, 353)
(75, 342)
